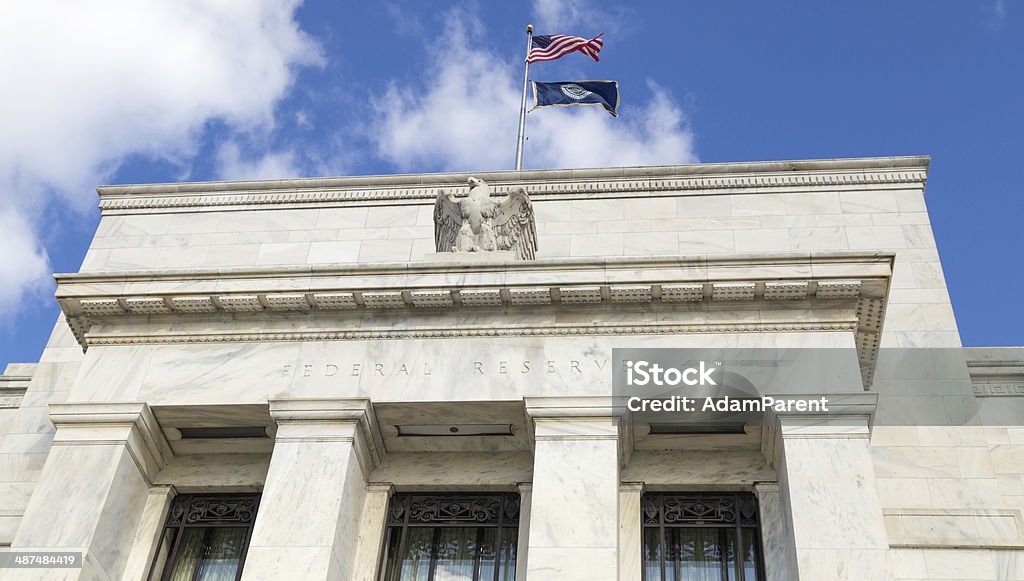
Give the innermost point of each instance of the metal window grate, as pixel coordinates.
(717, 534)
(476, 534)
(195, 529)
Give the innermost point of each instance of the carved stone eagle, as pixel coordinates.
(478, 223)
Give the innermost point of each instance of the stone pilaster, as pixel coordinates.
(309, 519)
(523, 547)
(574, 505)
(148, 533)
(630, 531)
(372, 527)
(94, 487)
(776, 533)
(827, 491)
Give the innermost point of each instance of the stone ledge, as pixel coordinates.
(949, 528)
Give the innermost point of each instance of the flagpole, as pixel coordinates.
(522, 108)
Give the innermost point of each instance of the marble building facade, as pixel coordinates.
(300, 351)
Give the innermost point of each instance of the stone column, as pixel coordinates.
(828, 489)
(630, 531)
(372, 527)
(308, 522)
(94, 488)
(574, 505)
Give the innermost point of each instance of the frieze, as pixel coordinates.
(1002, 389)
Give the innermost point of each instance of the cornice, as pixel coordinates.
(749, 177)
(142, 307)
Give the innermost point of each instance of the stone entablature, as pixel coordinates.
(150, 301)
(756, 177)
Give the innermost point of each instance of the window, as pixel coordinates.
(205, 538)
(701, 537)
(449, 537)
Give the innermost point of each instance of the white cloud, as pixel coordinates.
(998, 15)
(578, 17)
(462, 115)
(26, 266)
(561, 14)
(89, 83)
(465, 118)
(273, 165)
(656, 133)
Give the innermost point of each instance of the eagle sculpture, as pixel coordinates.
(478, 223)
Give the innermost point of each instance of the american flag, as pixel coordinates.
(550, 47)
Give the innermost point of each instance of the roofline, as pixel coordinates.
(859, 164)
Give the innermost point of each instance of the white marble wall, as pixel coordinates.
(27, 431)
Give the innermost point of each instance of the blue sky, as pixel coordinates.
(129, 92)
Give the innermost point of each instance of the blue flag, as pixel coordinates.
(603, 93)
